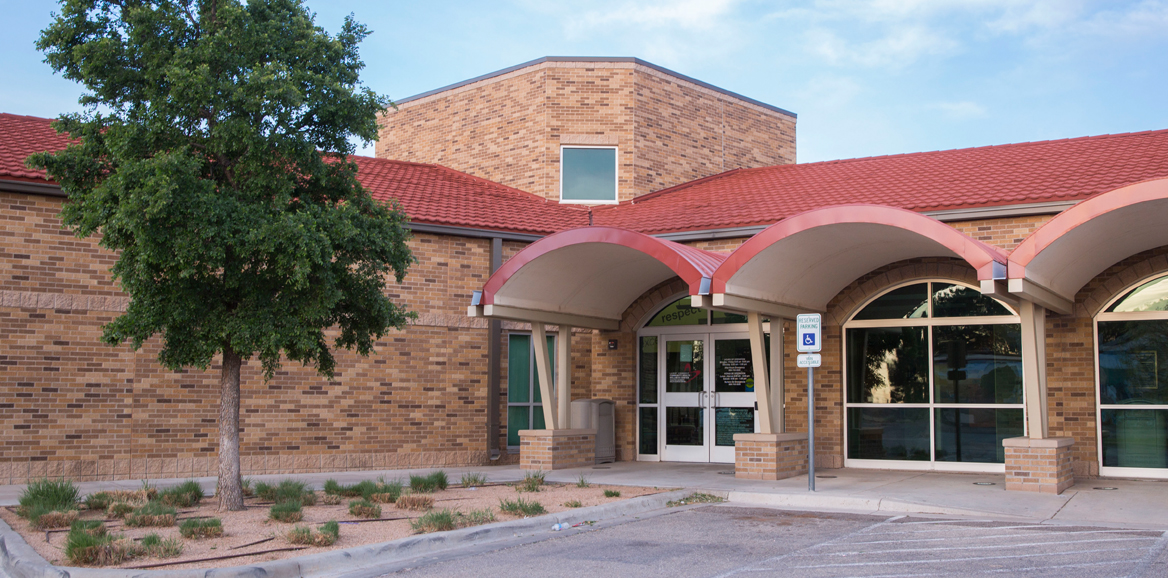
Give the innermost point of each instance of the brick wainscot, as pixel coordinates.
(1039, 465)
(556, 449)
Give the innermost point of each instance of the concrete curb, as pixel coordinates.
(19, 560)
(855, 504)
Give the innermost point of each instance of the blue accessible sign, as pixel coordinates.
(809, 330)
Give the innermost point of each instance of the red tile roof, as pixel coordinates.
(1058, 170)
(429, 194)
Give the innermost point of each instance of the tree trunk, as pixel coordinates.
(230, 491)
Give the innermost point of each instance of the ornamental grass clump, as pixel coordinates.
(184, 495)
(49, 503)
(287, 512)
(573, 504)
(473, 480)
(156, 546)
(364, 509)
(286, 491)
(326, 536)
(415, 502)
(93, 527)
(155, 514)
(435, 521)
(429, 483)
(84, 547)
(198, 529)
(40, 517)
(532, 481)
(612, 493)
(521, 507)
(474, 518)
(119, 510)
(98, 501)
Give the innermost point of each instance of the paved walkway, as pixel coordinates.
(1131, 504)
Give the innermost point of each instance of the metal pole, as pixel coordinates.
(810, 430)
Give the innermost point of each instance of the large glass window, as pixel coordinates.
(524, 401)
(933, 373)
(1132, 348)
(588, 175)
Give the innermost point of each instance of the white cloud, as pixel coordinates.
(829, 92)
(687, 14)
(897, 48)
(962, 110)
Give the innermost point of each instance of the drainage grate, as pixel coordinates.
(984, 484)
(602, 467)
(1106, 488)
(826, 477)
(729, 473)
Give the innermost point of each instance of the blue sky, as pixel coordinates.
(866, 77)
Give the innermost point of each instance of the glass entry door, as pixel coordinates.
(708, 394)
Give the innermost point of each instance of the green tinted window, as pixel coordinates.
(1151, 296)
(518, 368)
(909, 302)
(951, 300)
(589, 174)
(679, 313)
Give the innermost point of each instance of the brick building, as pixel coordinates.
(996, 309)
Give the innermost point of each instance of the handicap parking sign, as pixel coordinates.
(809, 328)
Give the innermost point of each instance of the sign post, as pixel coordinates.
(809, 334)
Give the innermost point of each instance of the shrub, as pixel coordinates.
(93, 527)
(286, 491)
(572, 504)
(48, 503)
(582, 482)
(286, 512)
(119, 510)
(531, 482)
(156, 546)
(152, 514)
(436, 521)
(327, 536)
(612, 493)
(520, 507)
(84, 548)
(364, 509)
(430, 483)
(386, 492)
(184, 495)
(475, 518)
(415, 502)
(332, 500)
(473, 480)
(198, 529)
(359, 490)
(41, 517)
(98, 501)
(132, 497)
(299, 535)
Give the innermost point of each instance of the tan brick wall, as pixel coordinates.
(719, 245)
(1038, 465)
(1004, 234)
(769, 456)
(509, 128)
(557, 449)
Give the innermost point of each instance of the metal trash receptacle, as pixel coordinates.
(598, 414)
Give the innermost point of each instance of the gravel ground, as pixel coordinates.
(252, 525)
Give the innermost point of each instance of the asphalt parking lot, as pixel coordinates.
(725, 540)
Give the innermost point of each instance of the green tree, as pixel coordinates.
(211, 156)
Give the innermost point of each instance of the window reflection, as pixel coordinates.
(977, 364)
(910, 302)
(888, 365)
(1132, 368)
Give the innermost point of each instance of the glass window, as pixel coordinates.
(951, 300)
(648, 377)
(723, 318)
(909, 302)
(975, 434)
(1131, 362)
(524, 407)
(679, 313)
(588, 174)
(888, 433)
(977, 363)
(733, 371)
(683, 366)
(1151, 296)
(1134, 438)
(648, 430)
(888, 365)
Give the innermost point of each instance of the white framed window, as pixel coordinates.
(932, 379)
(588, 175)
(1131, 376)
(524, 400)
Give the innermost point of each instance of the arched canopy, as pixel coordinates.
(800, 263)
(587, 277)
(1055, 261)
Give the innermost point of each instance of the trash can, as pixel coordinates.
(598, 414)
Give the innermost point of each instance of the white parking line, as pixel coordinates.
(991, 546)
(973, 559)
(996, 536)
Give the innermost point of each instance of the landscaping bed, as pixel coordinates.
(179, 528)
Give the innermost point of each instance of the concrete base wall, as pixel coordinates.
(770, 456)
(541, 449)
(1043, 465)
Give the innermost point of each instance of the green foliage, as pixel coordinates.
(42, 516)
(582, 482)
(98, 501)
(184, 495)
(332, 528)
(521, 507)
(204, 528)
(150, 540)
(416, 502)
(612, 493)
(532, 481)
(429, 483)
(95, 527)
(83, 547)
(152, 514)
(572, 504)
(154, 545)
(475, 518)
(300, 535)
(49, 495)
(286, 491)
(119, 510)
(473, 480)
(286, 512)
(434, 521)
(327, 535)
(248, 491)
(695, 498)
(364, 509)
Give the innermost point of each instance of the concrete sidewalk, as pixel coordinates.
(1132, 503)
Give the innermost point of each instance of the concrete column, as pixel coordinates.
(543, 371)
(762, 389)
(564, 380)
(1034, 368)
(778, 388)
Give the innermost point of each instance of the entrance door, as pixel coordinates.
(708, 394)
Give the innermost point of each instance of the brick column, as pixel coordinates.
(1039, 465)
(558, 449)
(760, 456)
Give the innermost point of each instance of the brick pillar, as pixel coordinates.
(558, 449)
(759, 456)
(1039, 465)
